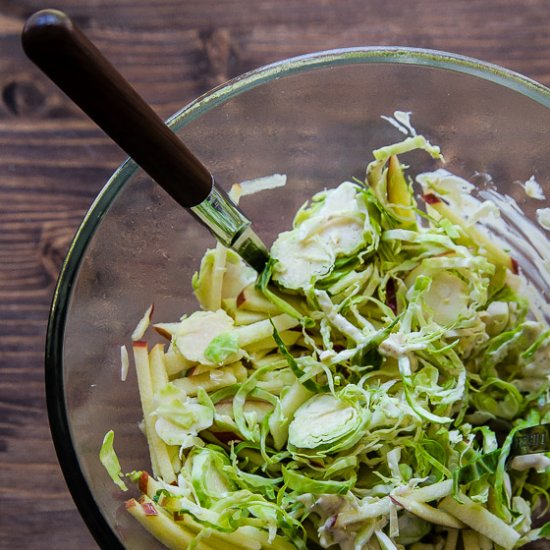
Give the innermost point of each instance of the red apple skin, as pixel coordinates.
(130, 503)
(147, 507)
(430, 198)
(143, 482)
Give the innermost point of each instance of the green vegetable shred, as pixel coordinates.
(363, 392)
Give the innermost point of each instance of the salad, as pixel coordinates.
(362, 392)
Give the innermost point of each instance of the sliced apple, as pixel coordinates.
(208, 282)
(250, 334)
(430, 493)
(143, 324)
(124, 363)
(148, 484)
(289, 338)
(475, 541)
(427, 512)
(167, 330)
(175, 362)
(245, 317)
(213, 379)
(481, 520)
(398, 191)
(161, 526)
(159, 376)
(243, 538)
(472, 234)
(160, 459)
(253, 300)
(452, 539)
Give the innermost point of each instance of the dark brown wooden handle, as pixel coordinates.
(60, 49)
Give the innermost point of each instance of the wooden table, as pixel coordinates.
(53, 161)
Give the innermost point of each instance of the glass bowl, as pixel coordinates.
(315, 118)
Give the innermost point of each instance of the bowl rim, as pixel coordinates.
(54, 381)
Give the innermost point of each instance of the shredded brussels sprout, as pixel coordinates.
(363, 392)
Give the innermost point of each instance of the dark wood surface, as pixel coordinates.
(53, 161)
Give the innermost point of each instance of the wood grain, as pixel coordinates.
(53, 161)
